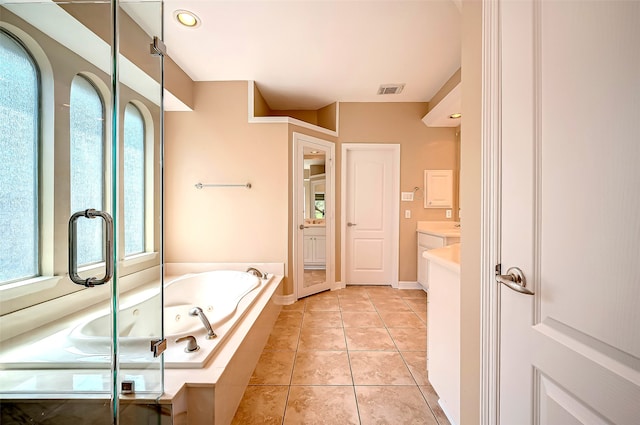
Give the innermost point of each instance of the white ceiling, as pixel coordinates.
(307, 54)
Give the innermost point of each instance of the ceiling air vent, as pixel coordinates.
(390, 88)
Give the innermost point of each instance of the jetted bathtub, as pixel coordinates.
(225, 296)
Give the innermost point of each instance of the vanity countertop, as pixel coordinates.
(315, 222)
(448, 256)
(445, 229)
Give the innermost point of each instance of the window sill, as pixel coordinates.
(28, 286)
(139, 258)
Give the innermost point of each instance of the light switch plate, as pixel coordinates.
(407, 196)
(448, 213)
(407, 213)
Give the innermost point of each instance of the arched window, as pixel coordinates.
(86, 118)
(134, 181)
(19, 141)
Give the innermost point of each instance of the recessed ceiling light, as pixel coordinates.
(455, 116)
(315, 152)
(186, 18)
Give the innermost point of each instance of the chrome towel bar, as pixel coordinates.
(200, 185)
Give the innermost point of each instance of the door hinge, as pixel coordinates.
(158, 346)
(157, 47)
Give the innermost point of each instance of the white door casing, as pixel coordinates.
(370, 221)
(568, 113)
(326, 242)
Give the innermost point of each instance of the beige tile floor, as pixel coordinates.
(314, 277)
(352, 356)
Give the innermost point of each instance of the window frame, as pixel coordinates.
(37, 246)
(52, 287)
(145, 185)
(106, 174)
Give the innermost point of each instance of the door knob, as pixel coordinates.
(515, 280)
(351, 224)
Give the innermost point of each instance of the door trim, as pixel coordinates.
(393, 149)
(490, 225)
(299, 140)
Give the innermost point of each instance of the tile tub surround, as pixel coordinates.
(368, 365)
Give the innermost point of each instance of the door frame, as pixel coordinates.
(299, 141)
(490, 222)
(393, 149)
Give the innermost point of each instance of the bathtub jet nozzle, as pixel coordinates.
(197, 311)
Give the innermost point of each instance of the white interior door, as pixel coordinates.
(370, 219)
(570, 353)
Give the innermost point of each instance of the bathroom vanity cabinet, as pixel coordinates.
(315, 247)
(443, 327)
(432, 235)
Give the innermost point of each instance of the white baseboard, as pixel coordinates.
(409, 285)
(338, 285)
(284, 299)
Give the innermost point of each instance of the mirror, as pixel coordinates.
(314, 214)
(314, 187)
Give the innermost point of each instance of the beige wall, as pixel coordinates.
(303, 115)
(216, 144)
(470, 202)
(324, 117)
(327, 116)
(421, 148)
(260, 106)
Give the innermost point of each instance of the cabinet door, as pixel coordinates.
(443, 338)
(308, 249)
(320, 249)
(422, 268)
(438, 187)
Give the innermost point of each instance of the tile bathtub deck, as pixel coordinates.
(352, 356)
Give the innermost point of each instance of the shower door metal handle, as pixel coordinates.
(108, 248)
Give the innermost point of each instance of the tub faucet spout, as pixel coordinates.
(197, 311)
(256, 272)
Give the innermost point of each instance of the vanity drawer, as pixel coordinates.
(430, 241)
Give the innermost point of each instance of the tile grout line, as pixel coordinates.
(404, 360)
(293, 366)
(353, 382)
